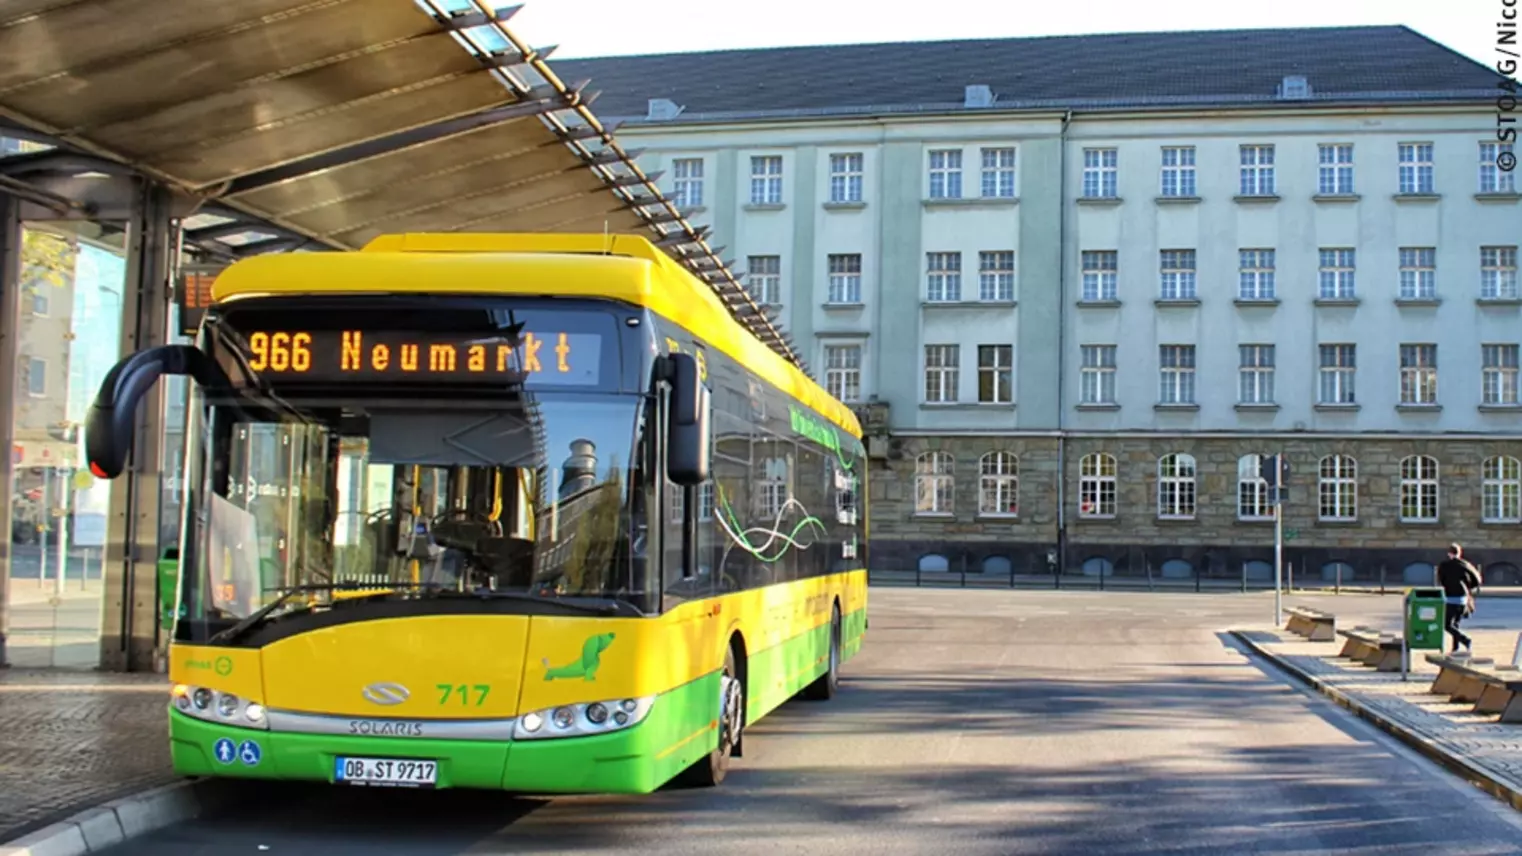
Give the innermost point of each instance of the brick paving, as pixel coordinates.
(71, 740)
(1477, 738)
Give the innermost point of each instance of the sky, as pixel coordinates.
(588, 28)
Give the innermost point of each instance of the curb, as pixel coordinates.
(112, 823)
(1502, 789)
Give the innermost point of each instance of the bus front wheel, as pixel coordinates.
(710, 770)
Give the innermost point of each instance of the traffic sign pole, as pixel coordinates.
(1278, 557)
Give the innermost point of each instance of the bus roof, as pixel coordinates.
(627, 268)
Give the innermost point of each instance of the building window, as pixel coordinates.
(1178, 171)
(943, 283)
(1255, 274)
(1339, 364)
(1492, 178)
(1257, 171)
(1501, 490)
(1418, 489)
(1176, 271)
(1176, 374)
(946, 174)
(1337, 488)
(941, 373)
(845, 277)
(1335, 174)
(1096, 485)
(1175, 486)
(999, 485)
(1337, 265)
(1099, 274)
(934, 483)
(1252, 490)
(1099, 173)
(1418, 374)
(1415, 167)
(846, 177)
(40, 303)
(766, 180)
(995, 380)
(37, 377)
(1498, 377)
(765, 279)
(1097, 378)
(1255, 374)
(842, 371)
(1498, 273)
(1418, 273)
(771, 499)
(998, 173)
(996, 275)
(687, 182)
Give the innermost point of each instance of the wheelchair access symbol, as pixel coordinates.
(249, 754)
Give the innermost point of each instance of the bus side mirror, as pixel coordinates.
(687, 434)
(109, 421)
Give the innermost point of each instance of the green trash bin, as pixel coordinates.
(1424, 618)
(169, 576)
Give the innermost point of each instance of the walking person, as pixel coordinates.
(1460, 580)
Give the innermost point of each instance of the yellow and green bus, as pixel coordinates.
(526, 512)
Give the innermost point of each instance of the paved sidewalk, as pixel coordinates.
(72, 740)
(1450, 733)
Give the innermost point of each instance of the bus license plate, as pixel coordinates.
(386, 772)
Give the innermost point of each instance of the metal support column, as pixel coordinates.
(129, 628)
(10, 303)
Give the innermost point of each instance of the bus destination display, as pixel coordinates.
(572, 359)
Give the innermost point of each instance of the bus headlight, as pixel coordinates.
(583, 720)
(209, 705)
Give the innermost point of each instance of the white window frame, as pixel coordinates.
(1097, 374)
(1256, 170)
(943, 277)
(1337, 489)
(1177, 489)
(945, 173)
(42, 305)
(1416, 175)
(1498, 273)
(942, 373)
(705, 502)
(687, 183)
(1501, 490)
(1176, 278)
(1176, 374)
(934, 484)
(996, 364)
(845, 278)
(1101, 269)
(1499, 376)
(1418, 273)
(1418, 373)
(843, 371)
(1419, 489)
(37, 368)
(1337, 275)
(763, 275)
(996, 276)
(1255, 274)
(1255, 373)
(1101, 171)
(1334, 169)
(1252, 490)
(1097, 497)
(1492, 178)
(1337, 373)
(999, 485)
(766, 179)
(998, 177)
(846, 176)
(1178, 179)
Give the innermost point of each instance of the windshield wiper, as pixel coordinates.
(242, 627)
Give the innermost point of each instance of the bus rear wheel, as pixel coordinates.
(709, 771)
(824, 687)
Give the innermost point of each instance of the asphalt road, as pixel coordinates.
(977, 722)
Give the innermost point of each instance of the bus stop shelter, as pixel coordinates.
(201, 133)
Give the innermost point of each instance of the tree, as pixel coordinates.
(47, 259)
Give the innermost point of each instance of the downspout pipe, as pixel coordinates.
(1062, 351)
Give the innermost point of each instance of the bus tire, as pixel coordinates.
(825, 686)
(709, 771)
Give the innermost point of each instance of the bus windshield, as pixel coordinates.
(521, 494)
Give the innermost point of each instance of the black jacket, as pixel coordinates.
(1457, 577)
